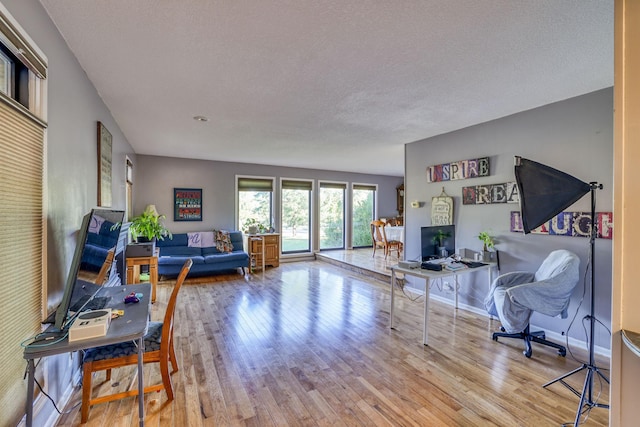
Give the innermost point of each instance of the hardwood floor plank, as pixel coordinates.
(309, 344)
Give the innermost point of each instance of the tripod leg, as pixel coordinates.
(568, 374)
(587, 382)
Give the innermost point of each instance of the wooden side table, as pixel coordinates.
(152, 262)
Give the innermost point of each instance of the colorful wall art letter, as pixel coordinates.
(462, 169)
(569, 224)
(490, 194)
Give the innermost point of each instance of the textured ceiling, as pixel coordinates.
(336, 84)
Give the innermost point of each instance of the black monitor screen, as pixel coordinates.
(99, 232)
(436, 237)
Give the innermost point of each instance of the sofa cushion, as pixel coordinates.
(180, 251)
(225, 257)
(223, 241)
(179, 260)
(210, 251)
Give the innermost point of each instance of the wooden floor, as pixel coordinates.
(309, 344)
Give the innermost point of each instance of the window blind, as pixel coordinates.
(21, 247)
(296, 185)
(255, 184)
(364, 187)
(333, 185)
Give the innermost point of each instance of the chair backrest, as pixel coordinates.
(553, 284)
(106, 266)
(377, 231)
(167, 326)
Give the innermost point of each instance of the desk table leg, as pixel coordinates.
(140, 382)
(425, 330)
(31, 374)
(393, 288)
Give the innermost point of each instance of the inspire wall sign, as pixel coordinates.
(462, 169)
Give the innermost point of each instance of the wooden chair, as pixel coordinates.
(379, 237)
(103, 275)
(158, 344)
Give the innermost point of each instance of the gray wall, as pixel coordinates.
(575, 136)
(74, 108)
(156, 177)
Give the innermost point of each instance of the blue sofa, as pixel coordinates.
(206, 260)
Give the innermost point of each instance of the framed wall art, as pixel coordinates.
(104, 166)
(187, 204)
(442, 209)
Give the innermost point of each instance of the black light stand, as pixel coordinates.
(545, 192)
(586, 397)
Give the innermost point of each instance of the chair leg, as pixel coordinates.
(86, 392)
(528, 336)
(166, 378)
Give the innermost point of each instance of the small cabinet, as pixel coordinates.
(254, 245)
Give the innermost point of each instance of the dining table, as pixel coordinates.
(394, 232)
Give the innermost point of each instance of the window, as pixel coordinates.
(23, 221)
(332, 213)
(363, 212)
(296, 216)
(14, 77)
(6, 74)
(255, 201)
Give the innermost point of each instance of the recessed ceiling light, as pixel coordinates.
(200, 118)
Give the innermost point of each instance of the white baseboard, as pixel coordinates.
(555, 336)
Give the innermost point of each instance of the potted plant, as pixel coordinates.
(487, 244)
(438, 239)
(149, 226)
(252, 226)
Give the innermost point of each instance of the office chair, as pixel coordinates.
(158, 348)
(514, 297)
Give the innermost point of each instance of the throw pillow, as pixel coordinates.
(223, 241)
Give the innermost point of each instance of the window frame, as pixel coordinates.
(345, 208)
(272, 202)
(311, 218)
(363, 186)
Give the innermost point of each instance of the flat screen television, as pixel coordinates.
(430, 241)
(99, 232)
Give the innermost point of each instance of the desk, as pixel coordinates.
(152, 262)
(130, 327)
(427, 275)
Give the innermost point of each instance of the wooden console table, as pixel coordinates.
(265, 247)
(133, 276)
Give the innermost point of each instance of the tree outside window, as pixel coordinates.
(363, 212)
(296, 216)
(332, 197)
(255, 201)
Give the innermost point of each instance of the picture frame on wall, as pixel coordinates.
(104, 165)
(187, 204)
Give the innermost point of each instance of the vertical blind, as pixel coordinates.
(21, 256)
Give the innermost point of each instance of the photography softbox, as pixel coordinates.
(545, 192)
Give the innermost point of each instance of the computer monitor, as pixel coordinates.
(430, 241)
(99, 227)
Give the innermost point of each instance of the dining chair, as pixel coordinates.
(379, 237)
(158, 348)
(106, 266)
